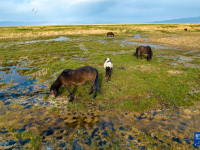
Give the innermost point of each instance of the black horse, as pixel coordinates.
(144, 50)
(76, 77)
(110, 33)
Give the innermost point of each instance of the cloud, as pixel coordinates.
(97, 11)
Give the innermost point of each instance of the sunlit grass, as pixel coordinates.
(136, 84)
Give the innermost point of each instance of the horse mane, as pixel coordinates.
(56, 85)
(66, 70)
(150, 52)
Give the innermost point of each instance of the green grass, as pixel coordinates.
(35, 140)
(76, 107)
(54, 109)
(3, 84)
(5, 69)
(45, 96)
(136, 85)
(5, 63)
(26, 71)
(11, 129)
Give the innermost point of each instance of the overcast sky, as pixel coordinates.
(97, 11)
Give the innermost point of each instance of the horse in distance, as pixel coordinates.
(108, 65)
(110, 34)
(77, 77)
(144, 50)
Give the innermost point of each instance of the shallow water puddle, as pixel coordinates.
(61, 38)
(83, 130)
(139, 36)
(121, 52)
(80, 130)
(12, 76)
(20, 88)
(125, 42)
(179, 60)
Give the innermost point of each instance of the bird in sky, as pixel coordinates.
(36, 11)
(33, 9)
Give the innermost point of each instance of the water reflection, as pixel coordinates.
(123, 43)
(61, 38)
(139, 36)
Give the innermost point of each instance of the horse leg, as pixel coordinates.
(95, 91)
(140, 55)
(147, 57)
(91, 90)
(70, 94)
(92, 83)
(110, 74)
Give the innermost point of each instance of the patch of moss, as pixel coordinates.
(5, 69)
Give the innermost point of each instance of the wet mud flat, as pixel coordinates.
(20, 88)
(28, 121)
(158, 129)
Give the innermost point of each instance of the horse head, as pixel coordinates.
(53, 91)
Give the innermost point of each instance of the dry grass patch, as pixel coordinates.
(189, 40)
(35, 34)
(174, 72)
(146, 67)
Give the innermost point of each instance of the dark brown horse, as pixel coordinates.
(76, 77)
(185, 29)
(110, 33)
(144, 50)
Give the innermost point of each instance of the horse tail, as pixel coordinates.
(150, 53)
(97, 81)
(136, 53)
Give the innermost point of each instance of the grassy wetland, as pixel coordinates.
(146, 105)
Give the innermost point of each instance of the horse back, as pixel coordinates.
(110, 33)
(78, 76)
(143, 49)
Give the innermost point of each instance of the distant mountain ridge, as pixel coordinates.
(18, 23)
(181, 20)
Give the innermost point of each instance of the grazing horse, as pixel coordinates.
(108, 65)
(144, 50)
(110, 33)
(76, 77)
(185, 29)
